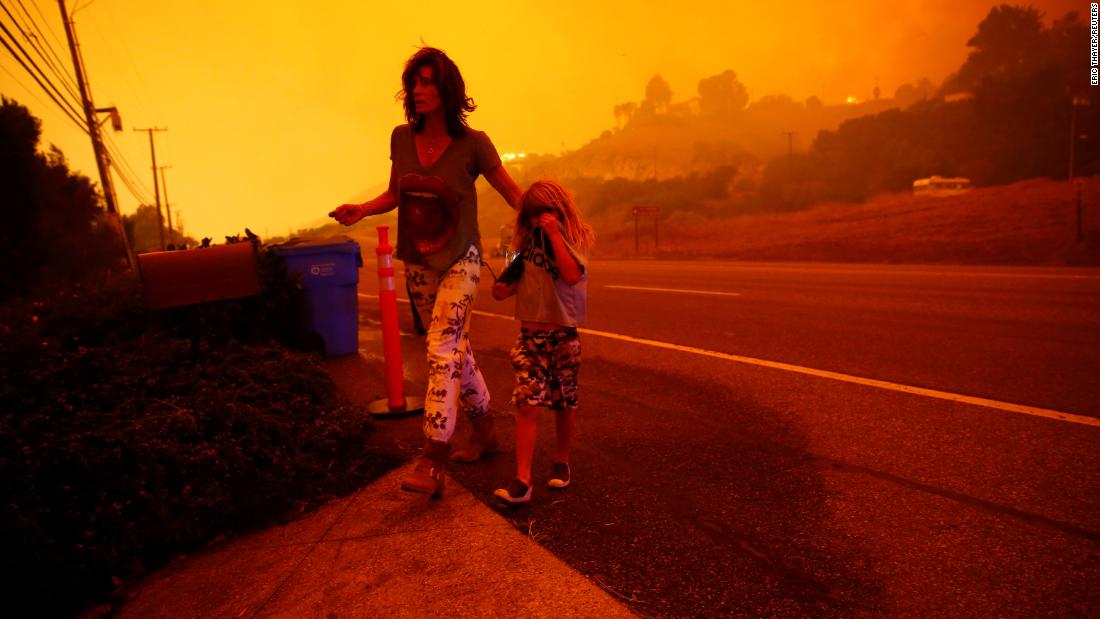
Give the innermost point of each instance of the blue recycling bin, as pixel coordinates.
(329, 270)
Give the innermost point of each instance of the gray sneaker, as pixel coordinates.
(516, 492)
(559, 475)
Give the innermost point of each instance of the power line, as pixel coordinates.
(45, 106)
(42, 45)
(142, 92)
(102, 159)
(126, 182)
(39, 41)
(76, 8)
(69, 111)
(31, 60)
(56, 39)
(130, 185)
(123, 165)
(106, 41)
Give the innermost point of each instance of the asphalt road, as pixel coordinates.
(750, 442)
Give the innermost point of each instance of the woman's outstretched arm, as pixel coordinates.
(348, 214)
(499, 178)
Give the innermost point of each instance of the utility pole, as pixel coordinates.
(1080, 224)
(790, 150)
(1074, 104)
(167, 204)
(102, 160)
(156, 185)
(1072, 135)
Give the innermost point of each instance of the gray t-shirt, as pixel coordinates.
(437, 205)
(541, 295)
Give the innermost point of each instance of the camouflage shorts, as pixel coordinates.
(546, 363)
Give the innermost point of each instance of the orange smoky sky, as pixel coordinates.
(278, 111)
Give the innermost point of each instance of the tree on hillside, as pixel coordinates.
(681, 194)
(623, 113)
(722, 94)
(658, 93)
(1064, 42)
(1010, 43)
(53, 229)
(629, 108)
(780, 102)
(908, 94)
(1015, 125)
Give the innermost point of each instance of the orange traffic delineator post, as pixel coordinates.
(395, 402)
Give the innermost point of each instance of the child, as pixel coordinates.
(550, 285)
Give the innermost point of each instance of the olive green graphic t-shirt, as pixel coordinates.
(437, 204)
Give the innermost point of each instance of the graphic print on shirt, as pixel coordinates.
(538, 251)
(430, 211)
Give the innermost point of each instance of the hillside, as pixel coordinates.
(682, 142)
(1031, 222)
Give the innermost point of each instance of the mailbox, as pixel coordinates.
(175, 278)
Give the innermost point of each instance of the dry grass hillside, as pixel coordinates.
(1031, 222)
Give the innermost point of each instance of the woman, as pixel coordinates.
(436, 159)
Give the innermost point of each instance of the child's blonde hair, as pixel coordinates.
(548, 194)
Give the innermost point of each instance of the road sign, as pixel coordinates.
(648, 211)
(645, 210)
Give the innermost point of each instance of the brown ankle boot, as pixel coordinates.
(482, 441)
(427, 476)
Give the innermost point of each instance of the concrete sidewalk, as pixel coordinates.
(379, 552)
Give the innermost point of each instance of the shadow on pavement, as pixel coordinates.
(713, 505)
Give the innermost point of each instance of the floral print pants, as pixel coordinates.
(454, 380)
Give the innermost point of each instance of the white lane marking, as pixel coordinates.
(712, 292)
(847, 378)
(901, 270)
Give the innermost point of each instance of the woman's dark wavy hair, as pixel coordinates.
(448, 80)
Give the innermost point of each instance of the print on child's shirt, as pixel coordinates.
(538, 251)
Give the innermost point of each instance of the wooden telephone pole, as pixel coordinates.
(790, 150)
(167, 205)
(156, 184)
(102, 159)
